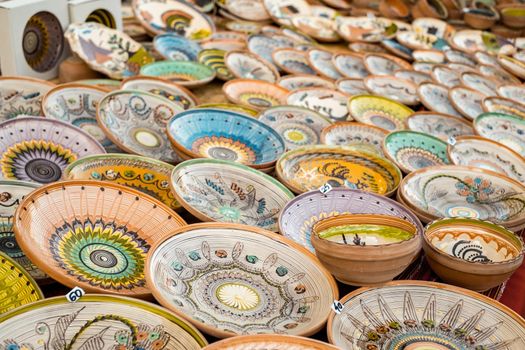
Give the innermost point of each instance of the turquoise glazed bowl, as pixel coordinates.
(185, 73)
(176, 48)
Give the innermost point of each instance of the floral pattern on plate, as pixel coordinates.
(379, 111)
(21, 96)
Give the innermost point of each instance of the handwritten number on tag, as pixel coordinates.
(337, 307)
(75, 294)
(325, 188)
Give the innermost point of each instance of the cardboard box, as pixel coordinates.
(107, 12)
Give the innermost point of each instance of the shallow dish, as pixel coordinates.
(351, 86)
(440, 125)
(379, 111)
(250, 10)
(470, 41)
(136, 121)
(365, 29)
(263, 45)
(384, 64)
(256, 94)
(319, 28)
(292, 61)
(185, 73)
(309, 168)
(481, 83)
(282, 11)
(498, 74)
(22, 96)
(350, 65)
(513, 65)
(218, 275)
(246, 65)
(400, 90)
(497, 104)
(446, 76)
(272, 341)
(176, 48)
(231, 107)
(513, 92)
(214, 58)
(321, 62)
(435, 98)
(506, 129)
(330, 103)
(362, 136)
(223, 45)
(466, 101)
(93, 234)
(460, 57)
(302, 81)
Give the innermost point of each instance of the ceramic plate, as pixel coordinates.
(350, 65)
(176, 48)
(246, 65)
(231, 107)
(412, 75)
(466, 101)
(303, 81)
(411, 150)
(221, 275)
(446, 76)
(435, 98)
(216, 190)
(432, 56)
(319, 28)
(442, 126)
(93, 234)
(470, 41)
(309, 168)
(423, 67)
(362, 136)
(459, 57)
(421, 41)
(244, 27)
(503, 105)
(351, 86)
(21, 96)
(513, 92)
(476, 81)
(486, 154)
(214, 59)
(513, 65)
(367, 29)
(397, 49)
(298, 126)
(433, 26)
(223, 45)
(506, 129)
(486, 58)
(185, 73)
(101, 321)
(109, 84)
(269, 341)
(400, 90)
(283, 10)
(379, 111)
(502, 76)
(321, 61)
(107, 50)
(292, 61)
(362, 47)
(425, 315)
(173, 16)
(384, 64)
(257, 94)
(264, 45)
(328, 102)
(250, 10)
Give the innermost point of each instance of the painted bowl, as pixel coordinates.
(148, 175)
(321, 61)
(364, 249)
(217, 190)
(272, 341)
(246, 65)
(328, 102)
(384, 64)
(442, 126)
(231, 107)
(466, 101)
(320, 28)
(93, 234)
(22, 96)
(351, 86)
(426, 315)
(498, 104)
(512, 65)
(185, 73)
(301, 81)
(176, 48)
(515, 92)
(214, 59)
(39, 149)
(256, 94)
(104, 321)
(298, 126)
(460, 191)
(225, 135)
(444, 75)
(499, 74)
(472, 254)
(435, 98)
(379, 111)
(479, 82)
(219, 275)
(350, 65)
(411, 150)
(397, 89)
(309, 168)
(292, 61)
(413, 75)
(506, 129)
(364, 136)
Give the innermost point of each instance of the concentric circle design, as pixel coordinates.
(238, 296)
(415, 158)
(102, 16)
(462, 212)
(8, 243)
(224, 149)
(297, 134)
(258, 100)
(43, 41)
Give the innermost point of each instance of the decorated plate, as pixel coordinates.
(107, 50)
(185, 73)
(411, 150)
(39, 149)
(362, 136)
(244, 27)
(412, 75)
(327, 102)
(292, 61)
(231, 107)
(426, 315)
(433, 56)
(506, 129)
(399, 90)
(446, 76)
(350, 65)
(498, 74)
(470, 41)
(309, 168)
(269, 341)
(319, 28)
(423, 67)
(102, 321)
(476, 81)
(362, 47)
(513, 65)
(321, 61)
(22, 96)
(435, 98)
(217, 190)
(442, 126)
(397, 49)
(513, 92)
(136, 121)
(486, 58)
(93, 234)
(109, 84)
(214, 59)
(351, 86)
(250, 10)
(282, 11)
(223, 45)
(467, 101)
(300, 215)
(384, 64)
(264, 45)
(303, 81)
(367, 29)
(220, 275)
(379, 111)
(256, 94)
(173, 16)
(503, 105)
(246, 65)
(450, 191)
(176, 48)
(417, 40)
(298, 126)
(460, 57)
(433, 26)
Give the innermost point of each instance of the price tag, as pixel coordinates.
(325, 188)
(75, 294)
(337, 307)
(451, 141)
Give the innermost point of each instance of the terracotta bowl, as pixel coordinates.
(254, 93)
(513, 15)
(430, 8)
(270, 341)
(394, 9)
(365, 250)
(471, 253)
(480, 18)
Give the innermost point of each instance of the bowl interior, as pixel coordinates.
(178, 70)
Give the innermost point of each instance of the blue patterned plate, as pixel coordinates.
(176, 48)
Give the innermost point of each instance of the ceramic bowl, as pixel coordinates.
(309, 168)
(263, 45)
(231, 107)
(365, 29)
(460, 57)
(39, 149)
(440, 125)
(256, 94)
(513, 65)
(217, 190)
(497, 73)
(384, 64)
(327, 102)
(512, 15)
(302, 81)
(144, 174)
(364, 47)
(379, 111)
(108, 322)
(480, 18)
(246, 65)
(93, 234)
(476, 81)
(466, 101)
(292, 61)
(496, 104)
(486, 58)
(394, 9)
(364, 249)
(472, 254)
(273, 341)
(435, 98)
(282, 11)
(513, 92)
(350, 65)
(400, 90)
(216, 275)
(136, 121)
(411, 150)
(351, 86)
(247, 10)
(444, 75)
(470, 41)
(214, 59)
(363, 136)
(506, 129)
(321, 62)
(185, 73)
(225, 135)
(22, 96)
(394, 47)
(297, 126)
(319, 28)
(223, 45)
(426, 314)
(176, 48)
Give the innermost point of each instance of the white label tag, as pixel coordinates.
(325, 188)
(75, 294)
(451, 141)
(337, 307)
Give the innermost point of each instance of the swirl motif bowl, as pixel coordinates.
(185, 73)
(22, 96)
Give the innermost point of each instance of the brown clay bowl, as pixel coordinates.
(513, 15)
(432, 8)
(480, 18)
(394, 9)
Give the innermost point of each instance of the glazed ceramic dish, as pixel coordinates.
(321, 61)
(506, 129)
(470, 41)
(467, 101)
(176, 48)
(254, 93)
(38, 149)
(231, 107)
(498, 74)
(292, 61)
(411, 150)
(379, 111)
(217, 190)
(309, 168)
(250, 10)
(93, 234)
(350, 65)
(302, 81)
(351, 86)
(442, 126)
(513, 92)
(173, 16)
(219, 275)
(400, 90)
(429, 55)
(225, 135)
(107, 50)
(384, 64)
(426, 315)
(366, 29)
(107, 322)
(444, 75)
(435, 98)
(136, 121)
(459, 191)
(22, 96)
(361, 136)
(513, 65)
(319, 28)
(263, 45)
(497, 104)
(460, 57)
(109, 84)
(269, 341)
(246, 65)
(147, 175)
(214, 59)
(472, 254)
(282, 10)
(486, 154)
(476, 81)
(327, 102)
(185, 73)
(412, 75)
(298, 126)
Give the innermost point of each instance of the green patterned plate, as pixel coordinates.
(185, 73)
